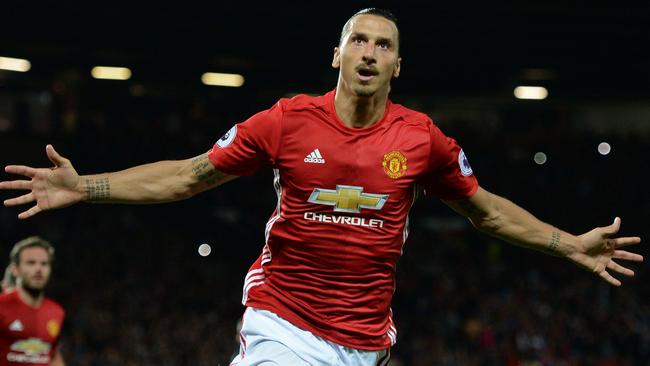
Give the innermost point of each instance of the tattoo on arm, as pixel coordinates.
(203, 169)
(98, 189)
(555, 242)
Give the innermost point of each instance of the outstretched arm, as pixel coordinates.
(594, 251)
(61, 186)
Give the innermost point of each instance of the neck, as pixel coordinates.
(359, 111)
(30, 296)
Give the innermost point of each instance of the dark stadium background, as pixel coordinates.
(136, 290)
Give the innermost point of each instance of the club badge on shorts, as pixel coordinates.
(228, 137)
(394, 164)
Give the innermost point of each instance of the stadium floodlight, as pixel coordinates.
(111, 73)
(221, 79)
(14, 64)
(531, 92)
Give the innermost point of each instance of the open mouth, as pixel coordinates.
(366, 74)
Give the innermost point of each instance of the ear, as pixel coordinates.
(14, 270)
(397, 68)
(336, 60)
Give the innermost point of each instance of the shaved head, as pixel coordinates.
(369, 11)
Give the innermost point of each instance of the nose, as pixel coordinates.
(369, 53)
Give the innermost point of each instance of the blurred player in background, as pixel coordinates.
(30, 323)
(347, 169)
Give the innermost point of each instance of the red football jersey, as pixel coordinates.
(28, 335)
(344, 194)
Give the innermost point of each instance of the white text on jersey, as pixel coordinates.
(344, 220)
(314, 157)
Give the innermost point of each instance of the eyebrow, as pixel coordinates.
(380, 40)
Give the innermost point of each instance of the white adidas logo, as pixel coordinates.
(16, 326)
(314, 157)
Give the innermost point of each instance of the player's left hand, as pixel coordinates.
(598, 248)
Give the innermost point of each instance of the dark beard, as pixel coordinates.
(35, 293)
(363, 93)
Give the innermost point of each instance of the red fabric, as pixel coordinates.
(325, 270)
(29, 336)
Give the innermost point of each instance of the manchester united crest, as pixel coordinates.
(394, 164)
(53, 328)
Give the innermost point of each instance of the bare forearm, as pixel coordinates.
(158, 182)
(594, 251)
(515, 225)
(149, 183)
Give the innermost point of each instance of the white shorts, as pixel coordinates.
(268, 340)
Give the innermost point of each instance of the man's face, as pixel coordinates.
(33, 268)
(368, 55)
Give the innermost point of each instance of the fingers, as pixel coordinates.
(16, 184)
(613, 228)
(620, 269)
(621, 242)
(26, 198)
(622, 254)
(29, 213)
(54, 156)
(21, 170)
(607, 277)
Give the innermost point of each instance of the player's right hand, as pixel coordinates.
(49, 188)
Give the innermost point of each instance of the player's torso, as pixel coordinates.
(346, 193)
(27, 335)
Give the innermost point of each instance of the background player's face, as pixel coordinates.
(368, 55)
(33, 268)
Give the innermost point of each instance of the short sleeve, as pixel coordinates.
(249, 145)
(449, 175)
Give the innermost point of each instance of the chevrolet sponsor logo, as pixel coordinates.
(348, 199)
(31, 351)
(31, 346)
(30, 359)
(344, 220)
